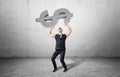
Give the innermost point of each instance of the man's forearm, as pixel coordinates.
(69, 28)
(50, 30)
(50, 33)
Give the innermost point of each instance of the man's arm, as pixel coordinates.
(69, 30)
(50, 33)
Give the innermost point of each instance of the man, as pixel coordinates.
(60, 46)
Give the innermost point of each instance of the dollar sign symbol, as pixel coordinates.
(51, 21)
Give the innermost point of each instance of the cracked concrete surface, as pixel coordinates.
(77, 67)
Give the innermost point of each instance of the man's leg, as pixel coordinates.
(55, 54)
(62, 55)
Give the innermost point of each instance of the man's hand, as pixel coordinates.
(50, 33)
(69, 30)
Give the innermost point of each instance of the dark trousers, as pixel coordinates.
(62, 55)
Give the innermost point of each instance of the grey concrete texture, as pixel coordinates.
(95, 28)
(77, 67)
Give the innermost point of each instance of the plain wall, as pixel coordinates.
(95, 28)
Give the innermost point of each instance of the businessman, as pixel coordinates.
(60, 46)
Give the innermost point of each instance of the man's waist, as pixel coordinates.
(60, 49)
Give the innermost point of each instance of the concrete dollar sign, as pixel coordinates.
(51, 21)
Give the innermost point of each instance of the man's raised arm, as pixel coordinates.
(50, 33)
(69, 30)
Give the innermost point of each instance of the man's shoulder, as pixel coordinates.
(64, 34)
(56, 34)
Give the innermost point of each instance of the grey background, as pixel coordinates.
(95, 24)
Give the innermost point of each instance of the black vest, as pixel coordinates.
(60, 42)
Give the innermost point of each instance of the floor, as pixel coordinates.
(77, 67)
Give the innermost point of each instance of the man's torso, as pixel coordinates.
(60, 41)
